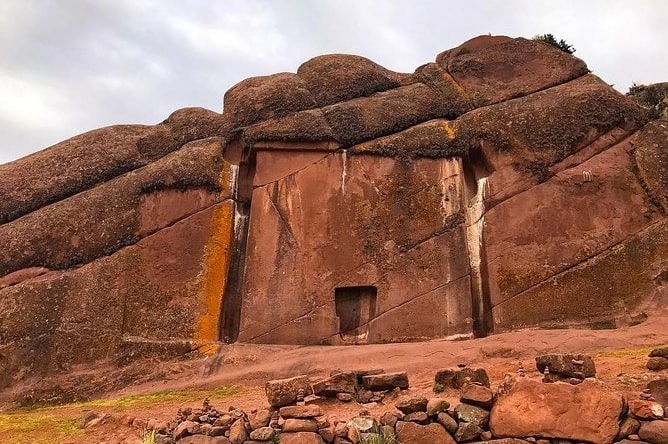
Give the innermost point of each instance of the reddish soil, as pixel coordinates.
(620, 357)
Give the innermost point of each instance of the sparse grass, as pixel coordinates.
(628, 353)
(148, 437)
(19, 426)
(144, 399)
(377, 437)
(50, 425)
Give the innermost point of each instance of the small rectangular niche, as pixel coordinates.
(355, 307)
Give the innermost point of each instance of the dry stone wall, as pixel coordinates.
(566, 405)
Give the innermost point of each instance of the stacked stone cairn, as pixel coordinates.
(564, 404)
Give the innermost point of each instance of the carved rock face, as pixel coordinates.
(499, 187)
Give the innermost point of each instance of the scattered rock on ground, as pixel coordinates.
(584, 412)
(567, 365)
(412, 433)
(477, 395)
(657, 363)
(456, 379)
(386, 381)
(410, 404)
(282, 392)
(654, 432)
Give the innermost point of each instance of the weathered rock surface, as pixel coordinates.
(457, 189)
(645, 410)
(436, 406)
(386, 381)
(567, 365)
(282, 392)
(301, 438)
(659, 390)
(344, 382)
(411, 404)
(412, 433)
(659, 352)
(477, 395)
(655, 432)
(657, 363)
(472, 414)
(456, 379)
(300, 411)
(294, 425)
(584, 412)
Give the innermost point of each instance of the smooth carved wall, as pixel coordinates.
(356, 221)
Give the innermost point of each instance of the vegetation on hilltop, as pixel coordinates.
(551, 40)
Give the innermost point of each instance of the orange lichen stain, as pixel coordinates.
(227, 177)
(448, 78)
(450, 131)
(217, 255)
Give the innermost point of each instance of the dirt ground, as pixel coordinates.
(236, 377)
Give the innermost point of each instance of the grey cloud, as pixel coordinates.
(70, 66)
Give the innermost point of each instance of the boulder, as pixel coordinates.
(436, 406)
(238, 432)
(411, 404)
(419, 417)
(281, 392)
(467, 432)
(339, 77)
(474, 415)
(260, 418)
(327, 434)
(657, 363)
(385, 113)
(186, 428)
(652, 161)
(262, 434)
(300, 438)
(628, 426)
(447, 421)
(99, 156)
(659, 389)
(645, 410)
(507, 441)
(300, 411)
(477, 395)
(293, 425)
(412, 433)
(567, 365)
(389, 419)
(265, 97)
(344, 382)
(344, 397)
(202, 439)
(386, 381)
(583, 412)
(654, 432)
(363, 424)
(508, 68)
(456, 379)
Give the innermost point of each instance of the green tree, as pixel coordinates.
(550, 40)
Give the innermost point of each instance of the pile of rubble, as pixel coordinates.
(564, 404)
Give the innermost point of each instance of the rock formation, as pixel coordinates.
(502, 186)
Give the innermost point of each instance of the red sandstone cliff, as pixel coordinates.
(502, 186)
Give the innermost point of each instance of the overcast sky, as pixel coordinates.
(68, 66)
